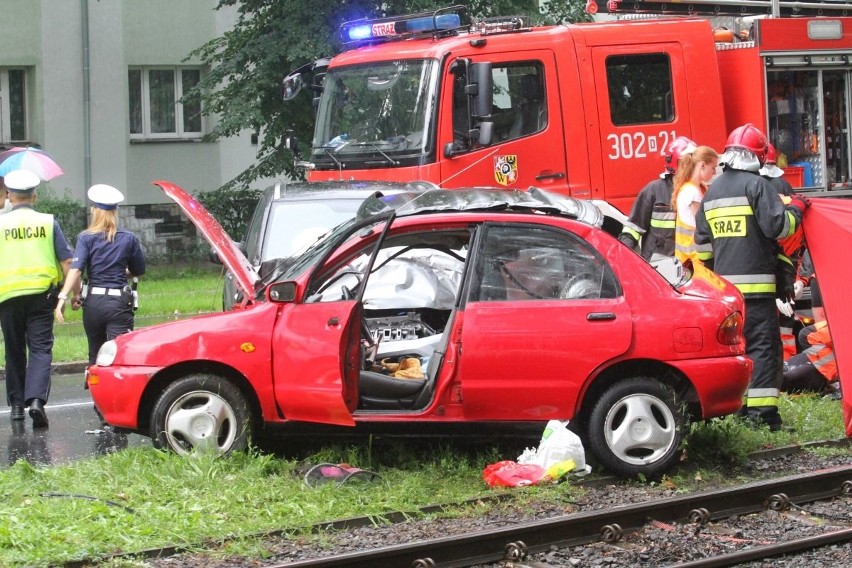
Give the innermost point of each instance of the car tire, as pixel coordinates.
(201, 413)
(636, 428)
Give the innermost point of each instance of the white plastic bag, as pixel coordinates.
(558, 445)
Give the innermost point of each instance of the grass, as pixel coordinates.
(165, 292)
(141, 498)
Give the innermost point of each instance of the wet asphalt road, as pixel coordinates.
(75, 432)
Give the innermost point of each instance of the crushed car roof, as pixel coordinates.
(483, 199)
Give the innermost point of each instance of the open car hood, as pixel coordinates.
(232, 257)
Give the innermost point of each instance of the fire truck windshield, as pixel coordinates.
(378, 115)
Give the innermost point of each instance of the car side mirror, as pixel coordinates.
(213, 256)
(281, 292)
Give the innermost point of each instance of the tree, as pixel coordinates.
(272, 37)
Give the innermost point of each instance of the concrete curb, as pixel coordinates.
(71, 368)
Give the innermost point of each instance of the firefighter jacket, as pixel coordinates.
(652, 220)
(28, 263)
(742, 218)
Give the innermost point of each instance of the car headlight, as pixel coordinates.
(106, 354)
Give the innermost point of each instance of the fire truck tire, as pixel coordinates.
(636, 428)
(201, 413)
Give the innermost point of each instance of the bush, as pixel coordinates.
(231, 207)
(70, 213)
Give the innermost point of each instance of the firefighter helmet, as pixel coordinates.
(748, 137)
(771, 154)
(677, 148)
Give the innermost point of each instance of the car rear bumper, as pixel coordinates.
(117, 392)
(720, 383)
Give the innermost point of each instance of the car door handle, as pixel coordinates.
(599, 316)
(334, 321)
(551, 175)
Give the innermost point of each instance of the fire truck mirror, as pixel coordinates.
(480, 75)
(486, 129)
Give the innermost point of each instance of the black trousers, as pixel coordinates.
(763, 347)
(104, 318)
(27, 323)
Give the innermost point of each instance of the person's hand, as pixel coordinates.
(785, 308)
(76, 303)
(800, 202)
(59, 311)
(798, 289)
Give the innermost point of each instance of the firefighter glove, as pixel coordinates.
(798, 289)
(785, 308)
(800, 202)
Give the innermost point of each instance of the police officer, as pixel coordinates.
(652, 219)
(34, 258)
(742, 217)
(109, 256)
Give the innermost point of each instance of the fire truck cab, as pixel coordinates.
(583, 109)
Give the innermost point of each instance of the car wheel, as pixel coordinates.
(636, 428)
(201, 413)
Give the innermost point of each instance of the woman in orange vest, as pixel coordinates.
(694, 172)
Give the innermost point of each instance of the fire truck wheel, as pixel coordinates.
(636, 428)
(201, 413)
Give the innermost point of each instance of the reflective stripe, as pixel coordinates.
(738, 210)
(753, 283)
(783, 258)
(627, 230)
(761, 397)
(663, 223)
(725, 202)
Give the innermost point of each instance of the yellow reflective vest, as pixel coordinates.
(28, 263)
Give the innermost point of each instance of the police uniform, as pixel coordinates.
(108, 305)
(32, 250)
(652, 220)
(742, 217)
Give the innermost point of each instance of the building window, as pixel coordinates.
(13, 106)
(155, 108)
(640, 88)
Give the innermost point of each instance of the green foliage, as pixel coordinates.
(232, 207)
(273, 37)
(70, 213)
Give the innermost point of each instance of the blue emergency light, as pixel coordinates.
(398, 27)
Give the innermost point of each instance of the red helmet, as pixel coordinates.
(771, 154)
(749, 137)
(677, 148)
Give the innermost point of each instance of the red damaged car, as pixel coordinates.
(440, 313)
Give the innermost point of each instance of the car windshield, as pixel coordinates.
(295, 225)
(376, 115)
(293, 268)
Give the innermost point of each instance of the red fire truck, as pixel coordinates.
(584, 109)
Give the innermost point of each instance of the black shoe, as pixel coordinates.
(38, 414)
(17, 412)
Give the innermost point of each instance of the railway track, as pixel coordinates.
(580, 537)
(514, 545)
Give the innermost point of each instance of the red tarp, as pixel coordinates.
(828, 231)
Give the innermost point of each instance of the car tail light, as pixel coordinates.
(731, 330)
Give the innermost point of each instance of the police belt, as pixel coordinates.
(100, 291)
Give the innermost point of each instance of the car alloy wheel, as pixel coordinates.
(201, 413)
(636, 427)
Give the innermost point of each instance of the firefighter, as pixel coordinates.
(694, 172)
(652, 219)
(774, 174)
(34, 258)
(742, 218)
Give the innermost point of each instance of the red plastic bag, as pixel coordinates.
(512, 474)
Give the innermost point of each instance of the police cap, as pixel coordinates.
(21, 181)
(105, 196)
